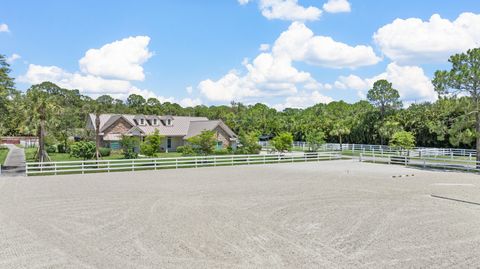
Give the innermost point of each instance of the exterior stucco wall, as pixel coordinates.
(176, 142)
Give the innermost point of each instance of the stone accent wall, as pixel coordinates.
(121, 126)
(221, 135)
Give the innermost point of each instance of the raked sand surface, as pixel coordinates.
(332, 214)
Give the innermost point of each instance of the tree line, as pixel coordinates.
(452, 121)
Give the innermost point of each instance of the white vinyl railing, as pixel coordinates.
(420, 151)
(92, 166)
(443, 163)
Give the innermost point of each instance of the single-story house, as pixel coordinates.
(175, 129)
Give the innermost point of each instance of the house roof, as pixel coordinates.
(198, 127)
(180, 125)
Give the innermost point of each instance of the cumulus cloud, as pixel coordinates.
(337, 6)
(13, 58)
(93, 86)
(189, 102)
(264, 47)
(121, 59)
(413, 40)
(108, 70)
(410, 81)
(272, 73)
(288, 10)
(4, 28)
(301, 44)
(88, 84)
(303, 100)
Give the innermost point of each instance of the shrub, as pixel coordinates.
(51, 149)
(129, 147)
(104, 152)
(402, 140)
(249, 143)
(283, 142)
(186, 150)
(83, 149)
(152, 144)
(204, 143)
(222, 152)
(61, 148)
(315, 138)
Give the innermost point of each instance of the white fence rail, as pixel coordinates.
(93, 166)
(419, 151)
(442, 163)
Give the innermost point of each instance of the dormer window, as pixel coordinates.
(169, 122)
(142, 121)
(154, 121)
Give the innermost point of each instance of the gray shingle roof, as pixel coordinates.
(198, 126)
(180, 125)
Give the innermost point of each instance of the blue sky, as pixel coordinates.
(208, 52)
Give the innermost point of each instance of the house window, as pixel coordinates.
(219, 145)
(154, 121)
(142, 121)
(169, 142)
(169, 122)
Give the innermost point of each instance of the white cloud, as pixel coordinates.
(93, 86)
(264, 47)
(303, 100)
(273, 74)
(108, 70)
(87, 84)
(300, 43)
(413, 40)
(4, 28)
(188, 102)
(189, 89)
(410, 81)
(121, 59)
(288, 10)
(13, 58)
(337, 6)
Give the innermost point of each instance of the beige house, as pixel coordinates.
(175, 129)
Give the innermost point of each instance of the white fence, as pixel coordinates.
(418, 151)
(439, 162)
(93, 166)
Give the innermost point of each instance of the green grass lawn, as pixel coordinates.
(3, 154)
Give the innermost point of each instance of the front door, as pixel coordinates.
(169, 143)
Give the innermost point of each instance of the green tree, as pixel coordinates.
(129, 146)
(136, 103)
(42, 106)
(249, 143)
(283, 142)
(463, 78)
(340, 130)
(7, 95)
(402, 140)
(151, 145)
(315, 138)
(384, 96)
(204, 143)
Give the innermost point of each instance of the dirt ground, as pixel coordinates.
(333, 214)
